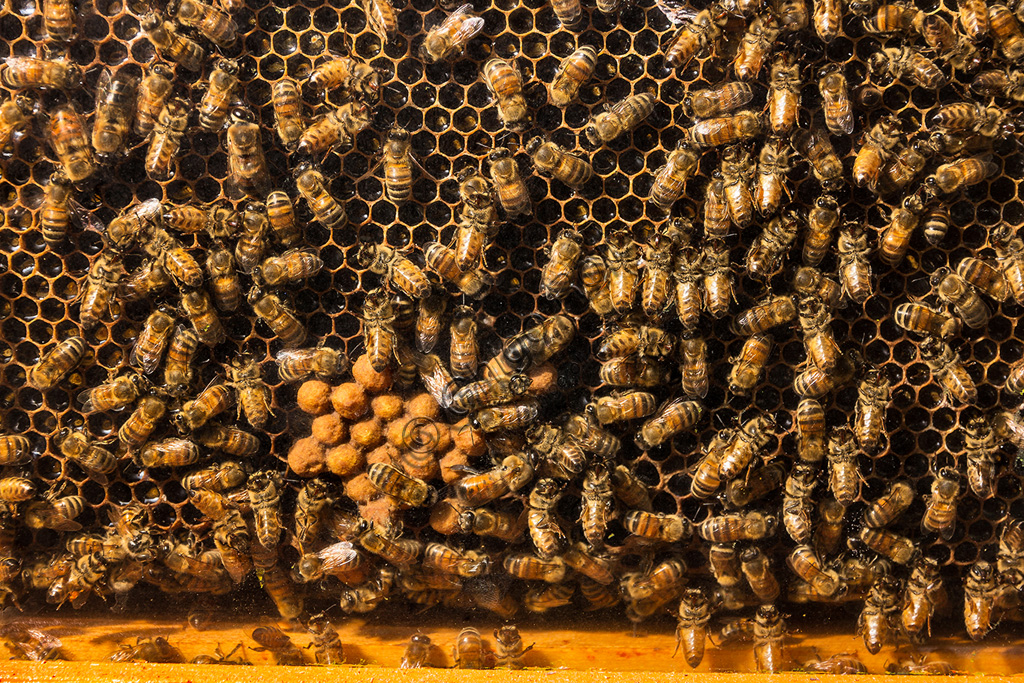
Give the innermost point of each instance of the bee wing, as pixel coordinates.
(338, 555)
(468, 26)
(82, 218)
(61, 523)
(85, 399)
(102, 87)
(293, 355)
(675, 11)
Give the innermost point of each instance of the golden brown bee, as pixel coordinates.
(717, 278)
(552, 159)
(152, 341)
(836, 100)
(178, 367)
(621, 118)
(905, 164)
(876, 620)
(844, 473)
(982, 454)
(400, 486)
(215, 24)
(737, 526)
(294, 365)
(769, 634)
(113, 395)
(724, 130)
(288, 119)
(974, 18)
(695, 36)
(154, 89)
(573, 72)
(879, 143)
(908, 64)
(281, 320)
(56, 363)
(532, 568)
(252, 244)
(694, 367)
(417, 652)
(895, 239)
(479, 489)
(488, 392)
(755, 46)
(688, 275)
(220, 477)
(671, 178)
(484, 522)
(273, 640)
(14, 449)
(200, 312)
(326, 643)
(396, 269)
(508, 184)
(814, 146)
(763, 316)
(559, 272)
(468, 651)
(506, 86)
(893, 17)
(220, 93)
(351, 78)
(291, 266)
(1006, 32)
(477, 218)
(797, 503)
(1008, 83)
(97, 461)
(887, 508)
(379, 336)
(145, 283)
(592, 438)
(445, 560)
(717, 219)
(954, 290)
(692, 630)
(1010, 257)
(671, 419)
(822, 221)
(598, 506)
(225, 285)
(115, 103)
(666, 576)
(171, 43)
(819, 341)
(810, 422)
(545, 532)
(628, 406)
(622, 255)
(854, 267)
(450, 37)
(757, 569)
(228, 439)
(657, 527)
(441, 260)
(936, 221)
(783, 93)
(71, 143)
(767, 251)
(264, 489)
(510, 646)
(869, 417)
(959, 174)
(711, 102)
(970, 116)
(16, 489)
(745, 443)
(828, 18)
(398, 163)
(311, 185)
(924, 593)
(57, 208)
(806, 564)
(940, 513)
(507, 416)
(247, 166)
(706, 477)
(29, 72)
(170, 452)
(14, 119)
(334, 130)
(837, 665)
(772, 167)
(897, 548)
(165, 142)
(980, 598)
(59, 20)
(594, 278)
(737, 174)
(252, 394)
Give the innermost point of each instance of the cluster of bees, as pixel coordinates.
(556, 514)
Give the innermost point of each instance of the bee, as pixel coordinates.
(841, 664)
(115, 102)
(622, 257)
(755, 45)
(114, 394)
(879, 143)
(547, 536)
(854, 267)
(253, 395)
(288, 119)
(806, 564)
(974, 18)
(594, 278)
(417, 652)
(724, 130)
(170, 452)
(769, 634)
(751, 437)
(907, 63)
(450, 37)
(672, 418)
(512, 474)
(16, 489)
(737, 526)
(711, 102)
(869, 416)
(220, 94)
(763, 316)
(797, 502)
(29, 72)
(819, 341)
(584, 430)
(936, 222)
(14, 119)
(228, 439)
(311, 185)
(56, 363)
(477, 218)
(572, 73)
(830, 526)
(893, 503)
(336, 129)
(764, 259)
(71, 143)
(532, 568)
(875, 623)
(621, 118)
(153, 91)
(152, 341)
(895, 17)
(718, 292)
(396, 269)
(57, 209)
(213, 400)
(814, 146)
(980, 598)
(688, 275)
(1010, 257)
(14, 449)
(982, 453)
(692, 630)
(828, 17)
(905, 164)
(895, 239)
(145, 283)
(281, 320)
(757, 569)
(737, 174)
(717, 220)
(200, 312)
(694, 367)
(264, 489)
(552, 159)
(398, 163)
(468, 651)
(506, 87)
(598, 507)
(489, 392)
(666, 576)
(792, 14)
(559, 272)
(246, 164)
(773, 165)
(954, 290)
(165, 142)
(273, 640)
(627, 406)
(836, 100)
(897, 548)
(441, 260)
(924, 592)
(171, 43)
(55, 513)
(844, 474)
(940, 513)
(507, 416)
(758, 484)
(215, 24)
(220, 477)
(822, 221)
(959, 174)
(350, 77)
(252, 243)
(483, 522)
(178, 367)
(508, 184)
(657, 527)
(407, 490)
(59, 20)
(784, 93)
(1006, 83)
(1006, 32)
(670, 179)
(294, 365)
(695, 36)
(225, 285)
(510, 646)
(706, 476)
(291, 266)
(378, 332)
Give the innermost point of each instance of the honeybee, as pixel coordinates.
(347, 75)
(727, 97)
(16, 489)
(510, 646)
(757, 569)
(621, 118)
(627, 406)
(547, 536)
(379, 336)
(396, 269)
(819, 341)
(688, 275)
(153, 91)
(877, 618)
(171, 43)
(783, 93)
(724, 130)
(828, 17)
(247, 166)
(1006, 32)
(71, 143)
(897, 548)
(924, 593)
(980, 593)
(280, 319)
(225, 285)
(717, 219)
(215, 24)
(592, 438)
(220, 92)
(441, 260)
(252, 243)
(398, 163)
(936, 222)
(764, 259)
(488, 392)
(905, 164)
(508, 184)
(940, 513)
(512, 474)
(814, 146)
(59, 20)
(974, 18)
(692, 630)
(532, 568)
(737, 172)
(508, 416)
(1010, 257)
(169, 128)
(844, 473)
(751, 437)
(451, 36)
(894, 17)
(908, 64)
(671, 178)
(982, 453)
(854, 267)
(887, 508)
(55, 513)
(755, 46)
(836, 100)
(769, 634)
(621, 255)
(869, 417)
(58, 209)
(772, 167)
(228, 439)
(334, 130)
(14, 449)
(273, 640)
(178, 367)
(220, 477)
(14, 119)
(959, 174)
(311, 185)
(56, 363)
(841, 664)
(797, 504)
(417, 652)
(115, 102)
(152, 341)
(506, 86)
(1007, 83)
(756, 485)
(288, 119)
(170, 452)
(400, 486)
(694, 367)
(252, 395)
(737, 526)
(200, 312)
(895, 239)
(664, 577)
(294, 365)
(822, 220)
(763, 316)
(552, 159)
(483, 522)
(115, 394)
(879, 143)
(829, 531)
(477, 218)
(695, 36)
(291, 266)
(29, 72)
(559, 272)
(572, 73)
(718, 292)
(594, 278)
(954, 290)
(671, 419)
(264, 489)
(806, 564)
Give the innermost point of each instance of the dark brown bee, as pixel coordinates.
(71, 143)
(757, 569)
(506, 87)
(165, 142)
(215, 24)
(895, 239)
(621, 118)
(755, 46)
(763, 316)
(829, 531)
(29, 72)
(450, 37)
(280, 319)
(350, 77)
(792, 14)
(1006, 32)
(724, 130)
(814, 146)
(115, 103)
(959, 174)
(936, 222)
(1008, 83)
(199, 309)
(695, 36)
(836, 665)
(312, 186)
(552, 159)
(688, 275)
(844, 473)
(172, 44)
(56, 363)
(783, 93)
(572, 73)
(767, 251)
(273, 640)
(878, 617)
(671, 178)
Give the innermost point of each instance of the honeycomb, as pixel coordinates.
(453, 122)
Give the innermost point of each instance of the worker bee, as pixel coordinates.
(552, 159)
(1006, 32)
(711, 102)
(797, 504)
(199, 309)
(14, 449)
(441, 260)
(532, 568)
(398, 163)
(153, 91)
(1007, 83)
(477, 218)
(14, 118)
(844, 473)
(657, 527)
(621, 118)
(757, 569)
(814, 146)
(165, 142)
(869, 416)
(763, 316)
(288, 119)
(974, 18)
(58, 208)
(71, 143)
(171, 43)
(980, 599)
(905, 164)
(737, 526)
(622, 257)
(170, 452)
(755, 46)
(764, 259)
(468, 651)
(294, 365)
(598, 506)
(854, 267)
(772, 167)
(876, 620)
(16, 490)
(806, 564)
(225, 285)
(718, 292)
(751, 437)
(220, 92)
(924, 593)
(783, 93)
(970, 116)
(508, 184)
(959, 174)
(940, 513)
(59, 20)
(572, 73)
(378, 332)
(479, 489)
(152, 341)
(446, 560)
(694, 367)
(114, 394)
(819, 341)
(628, 406)
(822, 220)
(510, 646)
(594, 278)
(178, 367)
(94, 459)
(936, 222)
(664, 577)
(1010, 257)
(879, 143)
(348, 76)
(547, 536)
(489, 392)
(507, 416)
(264, 489)
(810, 422)
(506, 86)
(220, 477)
(908, 64)
(29, 72)
(695, 36)
(253, 396)
(954, 290)
(724, 130)
(215, 24)
(280, 319)
(291, 266)
(334, 130)
(252, 243)
(982, 453)
(717, 220)
(451, 36)
(115, 101)
(246, 164)
(828, 17)
(592, 438)
(483, 522)
(688, 275)
(229, 440)
(895, 239)
(895, 17)
(792, 14)
(769, 634)
(396, 269)
(887, 508)
(273, 640)
(56, 363)
(836, 100)
(417, 652)
(692, 630)
(311, 185)
(400, 486)
(559, 272)
(671, 419)
(737, 174)
(671, 178)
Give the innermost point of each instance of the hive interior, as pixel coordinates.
(453, 123)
